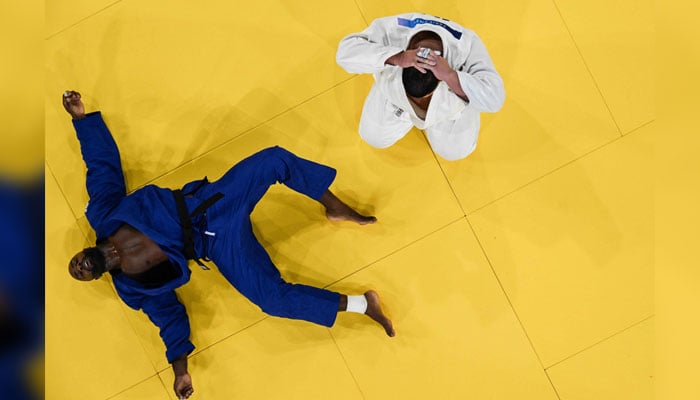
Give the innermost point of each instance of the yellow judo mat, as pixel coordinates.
(524, 271)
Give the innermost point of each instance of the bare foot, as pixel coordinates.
(353, 216)
(374, 311)
(336, 210)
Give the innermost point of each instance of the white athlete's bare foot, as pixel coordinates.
(374, 311)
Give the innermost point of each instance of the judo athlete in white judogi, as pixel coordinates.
(441, 91)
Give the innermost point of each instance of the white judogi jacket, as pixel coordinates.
(366, 52)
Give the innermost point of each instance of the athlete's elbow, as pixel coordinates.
(500, 97)
(346, 62)
(497, 105)
(342, 62)
(495, 102)
(344, 54)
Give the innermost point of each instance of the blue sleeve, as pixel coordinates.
(169, 315)
(105, 178)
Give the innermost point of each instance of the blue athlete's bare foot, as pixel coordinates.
(336, 210)
(374, 311)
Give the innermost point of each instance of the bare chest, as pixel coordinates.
(137, 252)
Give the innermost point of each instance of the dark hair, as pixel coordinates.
(422, 35)
(418, 84)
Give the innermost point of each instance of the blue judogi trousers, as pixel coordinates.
(235, 249)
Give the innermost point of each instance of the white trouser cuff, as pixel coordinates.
(357, 304)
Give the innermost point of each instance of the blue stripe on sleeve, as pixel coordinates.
(417, 21)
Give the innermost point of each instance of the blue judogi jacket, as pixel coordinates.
(151, 210)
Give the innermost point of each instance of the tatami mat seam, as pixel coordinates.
(130, 387)
(585, 64)
(551, 383)
(645, 319)
(80, 21)
(505, 294)
(391, 253)
(49, 170)
(643, 125)
(564, 165)
(444, 175)
(345, 361)
(166, 386)
(125, 311)
(199, 349)
(359, 9)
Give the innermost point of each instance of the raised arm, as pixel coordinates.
(366, 51)
(170, 316)
(105, 178)
(475, 80)
(480, 80)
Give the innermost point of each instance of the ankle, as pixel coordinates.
(357, 304)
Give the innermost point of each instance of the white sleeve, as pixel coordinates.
(480, 80)
(366, 51)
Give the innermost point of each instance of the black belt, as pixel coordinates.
(186, 221)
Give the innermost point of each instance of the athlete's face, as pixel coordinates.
(87, 265)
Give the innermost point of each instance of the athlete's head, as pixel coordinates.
(87, 265)
(416, 83)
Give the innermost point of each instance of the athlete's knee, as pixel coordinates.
(375, 140)
(275, 152)
(377, 136)
(276, 160)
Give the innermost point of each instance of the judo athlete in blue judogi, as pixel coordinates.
(145, 239)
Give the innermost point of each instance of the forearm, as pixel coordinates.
(358, 56)
(97, 144)
(394, 59)
(452, 81)
(101, 156)
(170, 316)
(183, 381)
(104, 179)
(480, 80)
(484, 88)
(444, 72)
(180, 365)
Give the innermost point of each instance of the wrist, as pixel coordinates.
(180, 366)
(454, 76)
(77, 117)
(394, 60)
